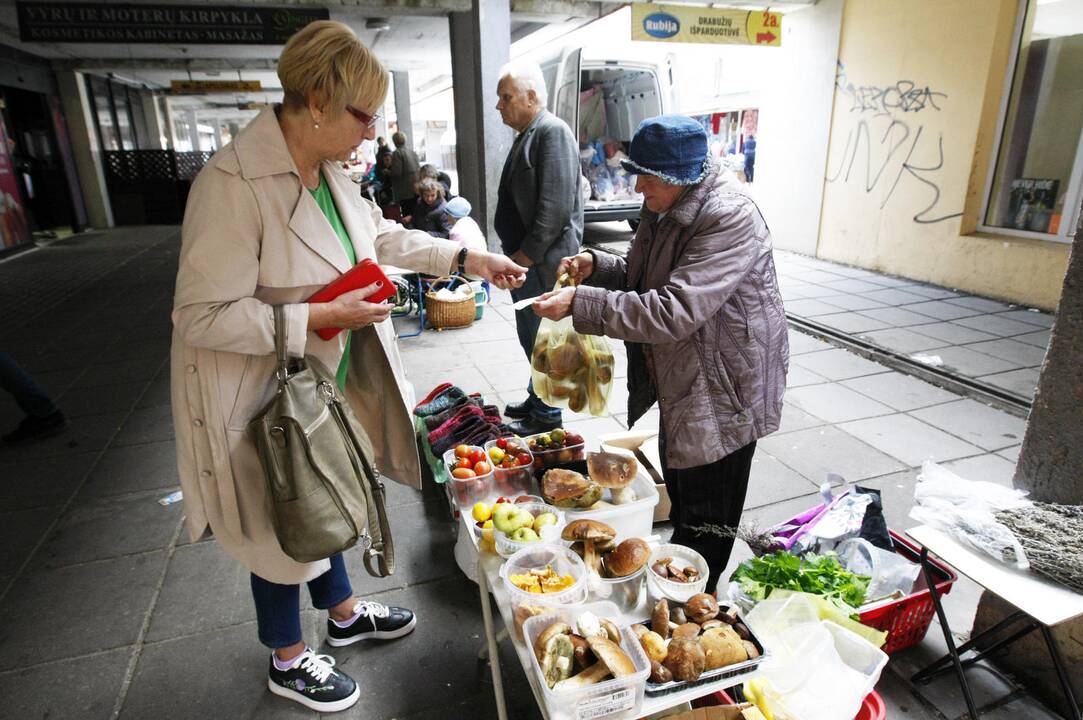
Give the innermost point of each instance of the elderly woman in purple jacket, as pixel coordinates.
(698, 307)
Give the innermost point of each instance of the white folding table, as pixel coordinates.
(1040, 604)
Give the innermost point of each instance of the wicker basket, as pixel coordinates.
(448, 313)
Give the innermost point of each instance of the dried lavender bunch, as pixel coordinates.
(760, 541)
(1052, 537)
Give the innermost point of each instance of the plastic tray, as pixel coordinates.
(506, 547)
(469, 491)
(548, 458)
(630, 520)
(732, 673)
(908, 619)
(512, 482)
(658, 588)
(614, 698)
(525, 605)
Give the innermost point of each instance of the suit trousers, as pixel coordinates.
(711, 494)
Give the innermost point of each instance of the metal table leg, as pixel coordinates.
(943, 665)
(1062, 674)
(927, 569)
(490, 637)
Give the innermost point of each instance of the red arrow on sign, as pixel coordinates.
(765, 37)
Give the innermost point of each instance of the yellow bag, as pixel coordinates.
(570, 370)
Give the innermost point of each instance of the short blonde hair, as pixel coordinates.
(430, 185)
(326, 59)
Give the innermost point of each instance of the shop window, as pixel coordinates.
(103, 112)
(124, 116)
(1036, 182)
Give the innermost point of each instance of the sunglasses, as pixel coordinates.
(363, 118)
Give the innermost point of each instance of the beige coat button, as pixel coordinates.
(191, 368)
(205, 473)
(197, 422)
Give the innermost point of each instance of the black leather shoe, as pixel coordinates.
(533, 426)
(518, 410)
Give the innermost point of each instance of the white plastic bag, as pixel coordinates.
(965, 510)
(888, 572)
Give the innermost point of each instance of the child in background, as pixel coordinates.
(463, 228)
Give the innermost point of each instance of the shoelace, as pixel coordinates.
(372, 609)
(320, 667)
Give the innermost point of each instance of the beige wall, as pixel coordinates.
(917, 97)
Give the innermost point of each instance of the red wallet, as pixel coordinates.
(361, 275)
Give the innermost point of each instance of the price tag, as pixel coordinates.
(614, 702)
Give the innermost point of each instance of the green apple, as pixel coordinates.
(546, 518)
(509, 517)
(524, 535)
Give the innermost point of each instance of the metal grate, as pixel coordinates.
(138, 166)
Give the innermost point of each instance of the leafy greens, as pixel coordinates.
(816, 574)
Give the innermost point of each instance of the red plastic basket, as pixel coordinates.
(907, 620)
(872, 707)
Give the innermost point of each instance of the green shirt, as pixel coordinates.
(322, 196)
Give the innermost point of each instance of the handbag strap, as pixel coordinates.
(382, 549)
(281, 329)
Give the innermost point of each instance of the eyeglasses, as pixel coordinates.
(363, 118)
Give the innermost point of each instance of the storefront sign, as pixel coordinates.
(13, 227)
(78, 22)
(688, 24)
(200, 87)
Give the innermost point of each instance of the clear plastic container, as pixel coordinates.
(471, 490)
(615, 698)
(625, 592)
(525, 605)
(556, 456)
(507, 547)
(658, 587)
(512, 482)
(629, 520)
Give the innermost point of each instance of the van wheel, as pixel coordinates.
(634, 224)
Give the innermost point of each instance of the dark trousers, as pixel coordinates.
(526, 327)
(278, 607)
(708, 495)
(29, 396)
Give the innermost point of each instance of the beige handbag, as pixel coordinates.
(326, 493)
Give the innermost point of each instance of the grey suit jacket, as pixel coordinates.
(543, 171)
(404, 169)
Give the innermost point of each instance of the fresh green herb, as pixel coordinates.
(816, 574)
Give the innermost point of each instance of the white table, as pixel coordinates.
(489, 581)
(1041, 604)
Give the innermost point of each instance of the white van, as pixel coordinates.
(603, 97)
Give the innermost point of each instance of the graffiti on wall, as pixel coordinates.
(889, 144)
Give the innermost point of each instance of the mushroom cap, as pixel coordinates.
(701, 607)
(614, 657)
(722, 647)
(685, 659)
(660, 618)
(627, 558)
(557, 628)
(588, 530)
(612, 470)
(559, 484)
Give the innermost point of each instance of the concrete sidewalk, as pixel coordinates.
(101, 592)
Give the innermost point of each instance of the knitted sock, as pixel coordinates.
(434, 421)
(458, 435)
(491, 410)
(452, 422)
(441, 402)
(433, 393)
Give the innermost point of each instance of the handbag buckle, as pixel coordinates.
(365, 541)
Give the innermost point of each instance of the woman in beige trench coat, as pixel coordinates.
(270, 220)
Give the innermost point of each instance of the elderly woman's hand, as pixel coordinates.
(579, 267)
(555, 305)
(350, 310)
(497, 269)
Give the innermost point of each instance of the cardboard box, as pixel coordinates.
(645, 447)
(746, 711)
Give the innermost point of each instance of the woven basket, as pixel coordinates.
(448, 313)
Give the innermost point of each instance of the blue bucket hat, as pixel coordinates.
(670, 147)
(457, 207)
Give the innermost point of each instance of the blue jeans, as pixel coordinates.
(526, 327)
(278, 607)
(29, 396)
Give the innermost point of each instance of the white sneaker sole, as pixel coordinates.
(323, 707)
(375, 635)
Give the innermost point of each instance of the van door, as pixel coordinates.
(565, 101)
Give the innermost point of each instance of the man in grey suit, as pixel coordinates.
(539, 211)
(404, 169)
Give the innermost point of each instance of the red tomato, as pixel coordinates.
(523, 459)
(483, 468)
(502, 500)
(464, 463)
(477, 455)
(462, 451)
(463, 473)
(502, 443)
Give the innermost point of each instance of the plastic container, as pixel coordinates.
(629, 520)
(658, 587)
(471, 490)
(512, 482)
(557, 456)
(507, 547)
(908, 619)
(625, 592)
(525, 605)
(615, 698)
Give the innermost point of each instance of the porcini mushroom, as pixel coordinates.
(557, 628)
(627, 558)
(660, 618)
(701, 607)
(614, 471)
(589, 532)
(556, 660)
(685, 659)
(612, 660)
(569, 489)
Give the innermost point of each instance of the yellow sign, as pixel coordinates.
(199, 87)
(689, 24)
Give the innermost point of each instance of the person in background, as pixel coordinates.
(697, 304)
(750, 157)
(431, 171)
(270, 220)
(43, 418)
(381, 149)
(384, 194)
(464, 231)
(430, 209)
(539, 211)
(404, 169)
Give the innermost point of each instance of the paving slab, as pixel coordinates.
(901, 340)
(838, 364)
(1022, 382)
(793, 418)
(971, 362)
(109, 527)
(835, 403)
(851, 322)
(119, 373)
(896, 497)
(933, 292)
(1022, 707)
(801, 343)
(85, 688)
(79, 401)
(810, 307)
(901, 392)
(909, 440)
(1011, 350)
(852, 302)
(798, 376)
(975, 422)
(980, 304)
(147, 425)
(951, 334)
(20, 533)
(996, 325)
(891, 281)
(42, 482)
(940, 309)
(83, 435)
(1033, 317)
(102, 604)
(1039, 338)
(991, 468)
(772, 482)
(898, 317)
(1011, 453)
(157, 392)
(818, 451)
(134, 468)
(818, 277)
(853, 285)
(508, 376)
(893, 296)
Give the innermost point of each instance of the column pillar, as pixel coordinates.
(480, 44)
(402, 108)
(85, 147)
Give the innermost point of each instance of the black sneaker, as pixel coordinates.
(313, 682)
(376, 622)
(32, 429)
